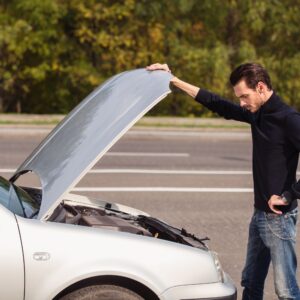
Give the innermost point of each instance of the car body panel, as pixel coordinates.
(77, 252)
(78, 142)
(202, 291)
(11, 257)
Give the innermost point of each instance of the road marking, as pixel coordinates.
(157, 171)
(152, 154)
(163, 189)
(7, 170)
(169, 172)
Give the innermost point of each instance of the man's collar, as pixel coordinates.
(272, 104)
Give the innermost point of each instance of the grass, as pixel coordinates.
(29, 122)
(190, 126)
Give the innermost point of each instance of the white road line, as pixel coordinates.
(7, 170)
(163, 189)
(147, 154)
(157, 171)
(169, 172)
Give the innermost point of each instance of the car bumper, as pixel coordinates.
(213, 291)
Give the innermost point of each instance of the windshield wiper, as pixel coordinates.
(192, 236)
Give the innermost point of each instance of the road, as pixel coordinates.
(199, 180)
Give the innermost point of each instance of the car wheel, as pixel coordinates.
(102, 292)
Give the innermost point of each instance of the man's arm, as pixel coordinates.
(293, 193)
(184, 86)
(213, 102)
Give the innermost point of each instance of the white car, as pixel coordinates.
(59, 245)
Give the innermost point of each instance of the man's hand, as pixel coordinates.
(158, 66)
(276, 200)
(184, 86)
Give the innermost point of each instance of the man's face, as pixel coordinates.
(249, 99)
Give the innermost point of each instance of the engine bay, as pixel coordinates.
(110, 219)
(105, 216)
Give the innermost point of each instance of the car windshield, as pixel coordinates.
(30, 207)
(17, 200)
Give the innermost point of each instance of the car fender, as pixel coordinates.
(73, 253)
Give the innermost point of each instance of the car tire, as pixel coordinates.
(102, 292)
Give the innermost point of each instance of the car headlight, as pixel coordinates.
(218, 266)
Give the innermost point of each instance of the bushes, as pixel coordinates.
(55, 52)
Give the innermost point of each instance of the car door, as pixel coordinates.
(11, 257)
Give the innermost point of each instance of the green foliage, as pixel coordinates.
(54, 52)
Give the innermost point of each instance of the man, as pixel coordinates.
(276, 144)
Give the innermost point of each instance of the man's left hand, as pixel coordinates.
(276, 200)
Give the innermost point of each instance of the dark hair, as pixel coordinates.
(252, 74)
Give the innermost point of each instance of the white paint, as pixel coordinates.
(163, 189)
(170, 172)
(152, 154)
(7, 170)
(157, 171)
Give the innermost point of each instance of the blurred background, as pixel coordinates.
(54, 52)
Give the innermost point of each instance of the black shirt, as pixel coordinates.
(276, 144)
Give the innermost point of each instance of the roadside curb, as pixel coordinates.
(24, 121)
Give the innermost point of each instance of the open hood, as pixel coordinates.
(89, 130)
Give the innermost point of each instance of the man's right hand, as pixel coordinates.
(276, 200)
(184, 86)
(158, 66)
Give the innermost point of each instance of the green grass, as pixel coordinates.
(29, 122)
(190, 126)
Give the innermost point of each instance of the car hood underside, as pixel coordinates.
(90, 129)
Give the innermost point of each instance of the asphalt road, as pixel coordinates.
(199, 180)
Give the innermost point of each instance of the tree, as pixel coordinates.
(54, 52)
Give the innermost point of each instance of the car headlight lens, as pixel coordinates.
(218, 266)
